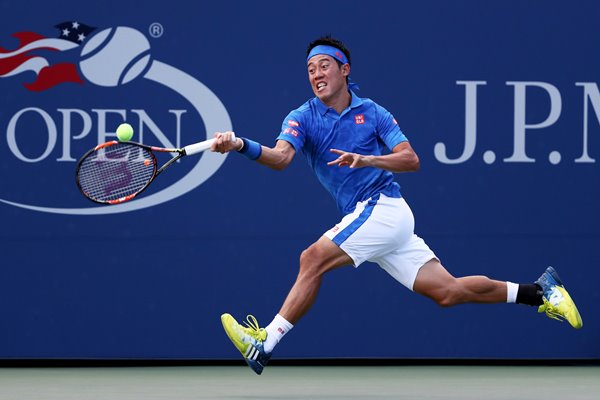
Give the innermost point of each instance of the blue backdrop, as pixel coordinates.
(499, 99)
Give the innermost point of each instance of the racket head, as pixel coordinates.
(115, 172)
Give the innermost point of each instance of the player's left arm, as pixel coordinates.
(402, 159)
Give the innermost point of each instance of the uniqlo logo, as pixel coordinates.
(359, 119)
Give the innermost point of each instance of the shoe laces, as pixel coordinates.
(549, 309)
(253, 329)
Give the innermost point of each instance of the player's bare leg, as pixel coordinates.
(439, 285)
(255, 343)
(548, 292)
(320, 257)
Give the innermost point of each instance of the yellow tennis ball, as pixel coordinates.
(124, 132)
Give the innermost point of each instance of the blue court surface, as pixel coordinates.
(304, 382)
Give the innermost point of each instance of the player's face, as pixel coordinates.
(327, 79)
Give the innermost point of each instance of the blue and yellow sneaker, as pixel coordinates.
(249, 341)
(557, 302)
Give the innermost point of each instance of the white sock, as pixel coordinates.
(275, 331)
(511, 292)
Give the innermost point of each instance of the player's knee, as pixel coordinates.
(450, 296)
(310, 262)
(446, 301)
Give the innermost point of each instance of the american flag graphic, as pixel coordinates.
(28, 56)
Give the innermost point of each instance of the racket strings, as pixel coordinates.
(116, 171)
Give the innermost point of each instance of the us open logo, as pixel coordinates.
(108, 58)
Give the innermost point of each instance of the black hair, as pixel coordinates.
(329, 41)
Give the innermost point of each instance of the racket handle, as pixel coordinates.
(198, 147)
(201, 146)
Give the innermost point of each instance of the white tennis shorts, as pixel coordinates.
(381, 230)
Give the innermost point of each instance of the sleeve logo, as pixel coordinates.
(291, 131)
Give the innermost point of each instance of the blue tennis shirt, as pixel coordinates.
(364, 127)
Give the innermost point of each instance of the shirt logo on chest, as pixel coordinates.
(359, 119)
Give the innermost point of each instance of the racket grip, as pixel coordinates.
(201, 146)
(198, 147)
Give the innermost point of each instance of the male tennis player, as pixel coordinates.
(344, 138)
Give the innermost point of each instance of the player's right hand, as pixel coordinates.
(224, 144)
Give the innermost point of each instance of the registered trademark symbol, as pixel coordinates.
(156, 30)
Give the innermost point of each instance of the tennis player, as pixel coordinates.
(354, 146)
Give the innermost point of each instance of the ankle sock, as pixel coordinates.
(276, 330)
(530, 294)
(511, 292)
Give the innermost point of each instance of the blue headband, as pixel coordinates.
(330, 51)
(336, 54)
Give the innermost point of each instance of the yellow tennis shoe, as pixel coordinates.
(248, 340)
(557, 302)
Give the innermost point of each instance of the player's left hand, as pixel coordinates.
(350, 160)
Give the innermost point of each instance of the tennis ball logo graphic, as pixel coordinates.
(115, 56)
(118, 55)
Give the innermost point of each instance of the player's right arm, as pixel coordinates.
(278, 157)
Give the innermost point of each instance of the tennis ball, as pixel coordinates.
(124, 132)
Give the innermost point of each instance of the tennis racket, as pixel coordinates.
(115, 172)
